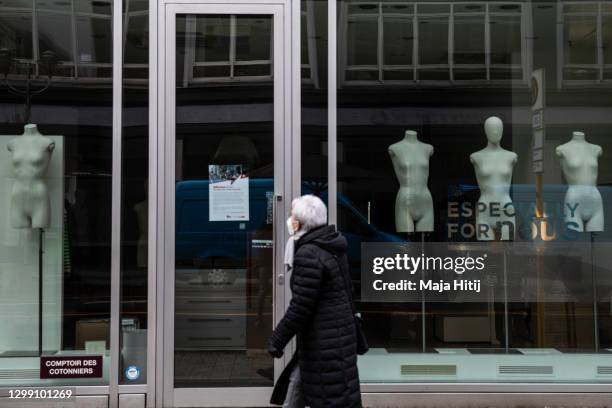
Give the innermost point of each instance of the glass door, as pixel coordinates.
(225, 184)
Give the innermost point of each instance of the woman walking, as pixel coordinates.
(323, 373)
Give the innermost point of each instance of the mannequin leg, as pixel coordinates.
(596, 223)
(403, 219)
(40, 215)
(426, 222)
(19, 218)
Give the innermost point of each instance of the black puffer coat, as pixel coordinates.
(321, 316)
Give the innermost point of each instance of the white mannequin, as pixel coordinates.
(413, 204)
(583, 203)
(493, 166)
(31, 154)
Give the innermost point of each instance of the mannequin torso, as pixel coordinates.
(493, 166)
(583, 203)
(31, 154)
(413, 204)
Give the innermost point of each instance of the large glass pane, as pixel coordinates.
(212, 41)
(469, 40)
(55, 34)
(433, 40)
(93, 39)
(55, 206)
(253, 38)
(398, 40)
(16, 33)
(414, 174)
(223, 229)
(505, 40)
(362, 42)
(134, 200)
(136, 40)
(580, 40)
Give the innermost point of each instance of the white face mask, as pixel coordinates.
(290, 226)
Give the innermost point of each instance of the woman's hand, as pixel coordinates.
(274, 352)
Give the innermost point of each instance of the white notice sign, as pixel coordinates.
(228, 193)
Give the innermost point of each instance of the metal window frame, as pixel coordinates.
(160, 390)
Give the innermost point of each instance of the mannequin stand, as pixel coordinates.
(40, 291)
(423, 309)
(595, 313)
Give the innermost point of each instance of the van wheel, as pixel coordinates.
(220, 276)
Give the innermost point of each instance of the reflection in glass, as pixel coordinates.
(433, 40)
(223, 275)
(93, 39)
(505, 39)
(448, 112)
(580, 40)
(362, 42)
(253, 36)
(16, 33)
(76, 255)
(398, 40)
(469, 40)
(55, 34)
(212, 39)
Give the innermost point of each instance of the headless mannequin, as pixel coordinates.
(413, 204)
(31, 154)
(493, 166)
(583, 203)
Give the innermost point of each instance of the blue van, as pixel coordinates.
(201, 242)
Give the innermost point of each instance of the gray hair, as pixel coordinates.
(310, 211)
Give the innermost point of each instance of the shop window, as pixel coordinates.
(413, 148)
(56, 148)
(587, 42)
(411, 42)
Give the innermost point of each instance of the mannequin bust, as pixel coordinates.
(413, 204)
(583, 203)
(493, 166)
(31, 154)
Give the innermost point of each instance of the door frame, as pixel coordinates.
(286, 74)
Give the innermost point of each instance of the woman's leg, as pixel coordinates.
(295, 396)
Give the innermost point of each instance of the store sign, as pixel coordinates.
(70, 367)
(228, 193)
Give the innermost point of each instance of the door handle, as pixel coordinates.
(277, 200)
